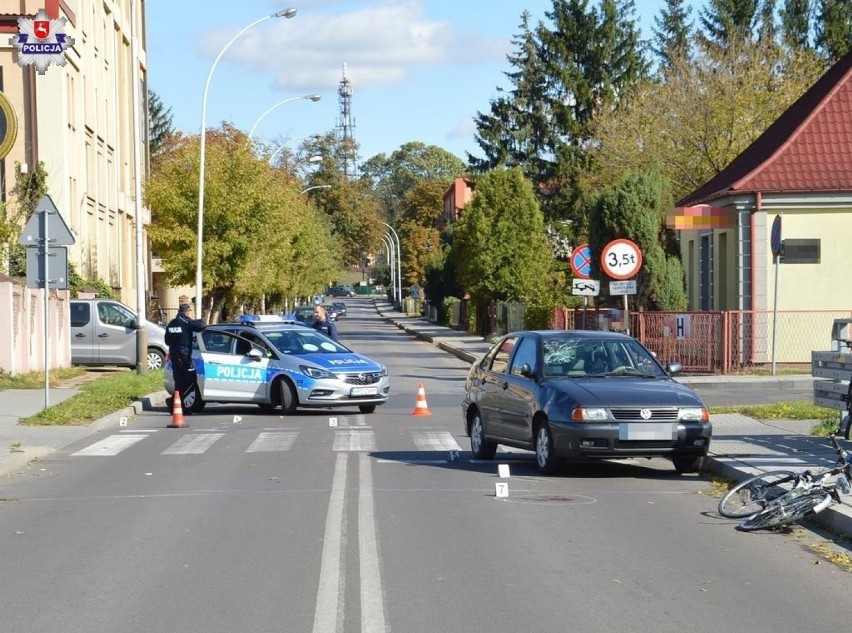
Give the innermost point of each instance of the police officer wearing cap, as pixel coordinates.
(179, 333)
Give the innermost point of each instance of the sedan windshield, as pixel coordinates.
(597, 357)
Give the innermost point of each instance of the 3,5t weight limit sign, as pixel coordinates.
(621, 259)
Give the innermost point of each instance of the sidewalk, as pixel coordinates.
(741, 446)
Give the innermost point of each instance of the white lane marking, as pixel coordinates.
(193, 444)
(435, 441)
(329, 592)
(272, 442)
(134, 431)
(372, 600)
(352, 440)
(109, 446)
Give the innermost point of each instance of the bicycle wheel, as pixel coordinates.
(750, 496)
(785, 511)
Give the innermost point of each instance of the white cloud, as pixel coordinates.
(381, 44)
(464, 129)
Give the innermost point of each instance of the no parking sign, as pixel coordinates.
(581, 261)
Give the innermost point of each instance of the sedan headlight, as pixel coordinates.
(697, 414)
(316, 372)
(582, 414)
(384, 371)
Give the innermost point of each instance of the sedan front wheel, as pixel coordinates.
(545, 456)
(479, 446)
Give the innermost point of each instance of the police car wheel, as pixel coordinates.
(289, 399)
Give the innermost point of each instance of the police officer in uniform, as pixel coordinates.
(323, 324)
(179, 333)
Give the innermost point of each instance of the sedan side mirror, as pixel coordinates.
(527, 371)
(255, 354)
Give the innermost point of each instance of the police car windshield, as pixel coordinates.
(300, 342)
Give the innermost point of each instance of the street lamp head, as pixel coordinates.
(313, 97)
(315, 159)
(286, 13)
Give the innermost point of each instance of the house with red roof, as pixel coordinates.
(779, 216)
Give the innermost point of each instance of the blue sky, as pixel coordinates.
(419, 69)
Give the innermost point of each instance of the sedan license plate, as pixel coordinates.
(364, 391)
(647, 431)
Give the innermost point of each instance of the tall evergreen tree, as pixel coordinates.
(725, 20)
(767, 26)
(672, 32)
(516, 130)
(795, 23)
(834, 29)
(159, 123)
(592, 59)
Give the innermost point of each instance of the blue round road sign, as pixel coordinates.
(581, 261)
(775, 239)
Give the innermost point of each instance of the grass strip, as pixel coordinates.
(99, 398)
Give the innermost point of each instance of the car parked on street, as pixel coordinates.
(103, 332)
(282, 365)
(339, 308)
(575, 395)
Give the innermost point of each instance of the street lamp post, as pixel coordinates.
(306, 190)
(280, 103)
(286, 13)
(391, 250)
(398, 263)
(286, 143)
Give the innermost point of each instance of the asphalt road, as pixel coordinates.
(337, 522)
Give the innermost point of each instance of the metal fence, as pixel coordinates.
(704, 342)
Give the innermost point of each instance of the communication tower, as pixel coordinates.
(346, 124)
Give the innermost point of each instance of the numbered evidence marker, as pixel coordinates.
(332, 421)
(503, 471)
(122, 422)
(501, 489)
(238, 419)
(454, 456)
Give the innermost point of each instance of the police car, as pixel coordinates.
(277, 362)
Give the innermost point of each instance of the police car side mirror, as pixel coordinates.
(255, 354)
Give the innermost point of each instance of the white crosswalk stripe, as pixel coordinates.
(435, 441)
(273, 442)
(193, 444)
(109, 446)
(354, 440)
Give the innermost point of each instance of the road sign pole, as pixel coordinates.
(46, 246)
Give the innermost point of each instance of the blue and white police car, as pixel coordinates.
(275, 362)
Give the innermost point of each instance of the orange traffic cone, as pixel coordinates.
(420, 407)
(177, 412)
